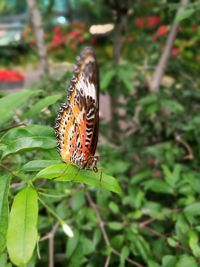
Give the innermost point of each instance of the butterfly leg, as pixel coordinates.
(63, 172)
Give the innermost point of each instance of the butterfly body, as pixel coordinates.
(77, 122)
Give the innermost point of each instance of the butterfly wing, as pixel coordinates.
(78, 120)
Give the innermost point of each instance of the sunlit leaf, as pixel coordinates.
(22, 231)
(115, 225)
(45, 102)
(187, 13)
(193, 209)
(9, 103)
(194, 243)
(67, 172)
(36, 165)
(186, 261)
(28, 143)
(107, 78)
(4, 188)
(27, 131)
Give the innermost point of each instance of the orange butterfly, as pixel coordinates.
(77, 123)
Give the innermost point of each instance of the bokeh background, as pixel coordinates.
(149, 138)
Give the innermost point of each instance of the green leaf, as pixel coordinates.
(149, 99)
(9, 103)
(126, 76)
(72, 244)
(88, 245)
(4, 260)
(194, 243)
(172, 242)
(77, 257)
(152, 263)
(28, 143)
(107, 78)
(36, 165)
(184, 14)
(140, 246)
(113, 207)
(141, 176)
(27, 131)
(172, 106)
(186, 261)
(22, 231)
(115, 226)
(192, 210)
(158, 186)
(117, 241)
(123, 255)
(78, 201)
(67, 172)
(169, 261)
(45, 102)
(182, 227)
(172, 177)
(4, 189)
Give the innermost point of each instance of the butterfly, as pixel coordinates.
(77, 123)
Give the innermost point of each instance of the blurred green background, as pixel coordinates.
(149, 137)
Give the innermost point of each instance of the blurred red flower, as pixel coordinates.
(75, 33)
(80, 39)
(73, 46)
(11, 76)
(57, 36)
(162, 30)
(152, 21)
(175, 51)
(154, 37)
(140, 22)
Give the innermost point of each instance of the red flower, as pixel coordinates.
(80, 39)
(73, 46)
(175, 51)
(154, 37)
(152, 21)
(162, 30)
(11, 76)
(75, 33)
(57, 36)
(140, 22)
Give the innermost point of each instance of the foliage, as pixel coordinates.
(153, 220)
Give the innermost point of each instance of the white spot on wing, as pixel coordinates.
(87, 87)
